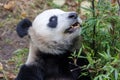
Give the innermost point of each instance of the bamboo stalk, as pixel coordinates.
(94, 28)
(118, 1)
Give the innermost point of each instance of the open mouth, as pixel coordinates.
(72, 28)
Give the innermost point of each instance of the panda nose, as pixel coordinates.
(73, 15)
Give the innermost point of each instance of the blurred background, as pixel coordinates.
(100, 34)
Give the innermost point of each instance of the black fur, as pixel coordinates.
(23, 26)
(31, 72)
(53, 22)
(53, 67)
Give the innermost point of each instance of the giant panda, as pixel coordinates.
(54, 36)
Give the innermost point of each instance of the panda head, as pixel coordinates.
(52, 31)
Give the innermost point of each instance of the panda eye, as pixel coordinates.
(53, 18)
(53, 22)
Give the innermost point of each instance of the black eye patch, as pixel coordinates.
(53, 22)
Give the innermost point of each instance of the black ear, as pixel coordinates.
(23, 26)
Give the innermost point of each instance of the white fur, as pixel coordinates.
(51, 40)
(41, 28)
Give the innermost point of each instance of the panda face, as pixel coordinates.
(53, 30)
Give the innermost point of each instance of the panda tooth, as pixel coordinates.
(78, 25)
(72, 26)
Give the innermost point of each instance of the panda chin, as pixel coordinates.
(73, 28)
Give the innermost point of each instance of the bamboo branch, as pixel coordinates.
(94, 27)
(118, 1)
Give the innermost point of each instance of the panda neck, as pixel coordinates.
(35, 54)
(32, 54)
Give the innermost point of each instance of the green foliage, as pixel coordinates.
(101, 40)
(19, 57)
